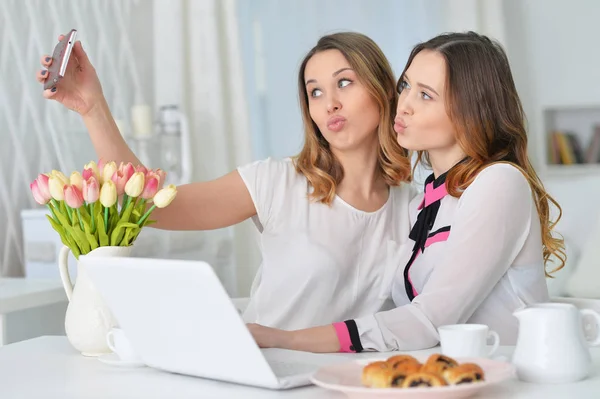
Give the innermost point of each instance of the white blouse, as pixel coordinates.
(321, 264)
(490, 265)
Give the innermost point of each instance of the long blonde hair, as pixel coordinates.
(316, 160)
(489, 121)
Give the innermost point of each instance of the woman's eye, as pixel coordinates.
(344, 83)
(404, 85)
(425, 96)
(315, 93)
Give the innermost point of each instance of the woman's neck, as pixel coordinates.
(361, 174)
(443, 160)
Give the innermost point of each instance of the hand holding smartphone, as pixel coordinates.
(60, 59)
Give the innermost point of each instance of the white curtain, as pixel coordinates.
(37, 135)
(198, 65)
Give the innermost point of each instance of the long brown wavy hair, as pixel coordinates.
(487, 115)
(316, 160)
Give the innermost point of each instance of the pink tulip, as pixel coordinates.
(141, 168)
(91, 190)
(150, 188)
(42, 184)
(122, 175)
(162, 175)
(87, 173)
(120, 180)
(73, 196)
(101, 163)
(92, 165)
(38, 195)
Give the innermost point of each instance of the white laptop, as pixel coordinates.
(179, 318)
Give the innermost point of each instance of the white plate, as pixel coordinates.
(114, 360)
(346, 378)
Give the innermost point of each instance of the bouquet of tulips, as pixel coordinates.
(105, 205)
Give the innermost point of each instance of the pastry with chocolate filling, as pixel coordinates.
(408, 367)
(397, 360)
(464, 374)
(420, 380)
(389, 378)
(436, 364)
(371, 370)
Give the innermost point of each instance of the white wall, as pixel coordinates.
(275, 36)
(553, 46)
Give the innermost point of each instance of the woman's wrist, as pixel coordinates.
(98, 110)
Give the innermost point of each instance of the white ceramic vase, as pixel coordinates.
(88, 319)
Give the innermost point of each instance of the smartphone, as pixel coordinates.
(60, 59)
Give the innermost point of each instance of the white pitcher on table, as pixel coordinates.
(88, 319)
(551, 346)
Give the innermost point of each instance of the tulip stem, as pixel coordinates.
(92, 217)
(143, 218)
(80, 221)
(53, 214)
(106, 220)
(69, 213)
(124, 204)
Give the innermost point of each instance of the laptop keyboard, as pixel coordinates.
(286, 369)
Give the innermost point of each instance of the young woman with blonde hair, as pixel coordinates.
(323, 216)
(482, 242)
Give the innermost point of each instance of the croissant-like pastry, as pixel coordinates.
(371, 370)
(397, 360)
(464, 374)
(421, 379)
(437, 364)
(408, 368)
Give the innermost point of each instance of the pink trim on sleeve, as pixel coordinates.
(343, 336)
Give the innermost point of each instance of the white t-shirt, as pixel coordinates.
(490, 265)
(321, 264)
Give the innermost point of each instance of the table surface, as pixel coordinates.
(23, 293)
(48, 367)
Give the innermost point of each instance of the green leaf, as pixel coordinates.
(130, 234)
(102, 236)
(80, 238)
(91, 240)
(73, 246)
(117, 235)
(74, 219)
(63, 219)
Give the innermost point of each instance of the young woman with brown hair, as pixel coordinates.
(481, 235)
(324, 215)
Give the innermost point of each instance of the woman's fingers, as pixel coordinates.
(48, 93)
(42, 75)
(46, 60)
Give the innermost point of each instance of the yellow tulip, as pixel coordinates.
(57, 185)
(135, 185)
(108, 194)
(76, 180)
(165, 196)
(108, 171)
(59, 175)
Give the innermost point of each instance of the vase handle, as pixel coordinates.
(63, 267)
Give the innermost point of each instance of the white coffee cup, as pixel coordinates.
(119, 344)
(467, 340)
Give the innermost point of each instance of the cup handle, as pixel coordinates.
(496, 343)
(63, 267)
(110, 341)
(596, 316)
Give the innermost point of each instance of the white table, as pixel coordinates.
(30, 308)
(47, 367)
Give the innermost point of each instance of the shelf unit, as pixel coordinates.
(580, 120)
